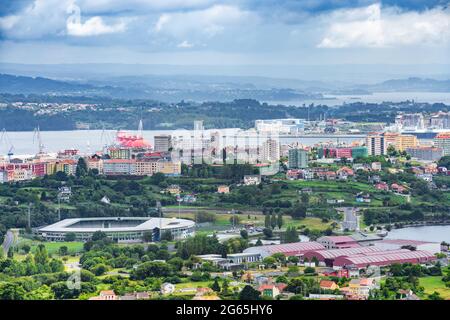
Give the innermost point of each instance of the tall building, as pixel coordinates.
(163, 143)
(410, 121)
(400, 141)
(442, 140)
(270, 151)
(298, 159)
(425, 153)
(376, 144)
(406, 141)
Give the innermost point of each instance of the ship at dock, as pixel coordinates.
(131, 140)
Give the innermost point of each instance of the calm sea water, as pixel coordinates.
(377, 97)
(427, 233)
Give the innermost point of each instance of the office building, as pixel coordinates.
(298, 159)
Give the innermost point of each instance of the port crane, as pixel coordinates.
(37, 136)
(5, 138)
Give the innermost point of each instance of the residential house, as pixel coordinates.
(359, 288)
(382, 186)
(398, 188)
(345, 172)
(376, 166)
(105, 295)
(223, 189)
(272, 290)
(328, 285)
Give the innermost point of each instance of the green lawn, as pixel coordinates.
(432, 284)
(53, 247)
(309, 222)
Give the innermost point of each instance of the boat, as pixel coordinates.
(129, 140)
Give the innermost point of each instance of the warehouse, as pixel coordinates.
(338, 242)
(288, 249)
(327, 257)
(384, 258)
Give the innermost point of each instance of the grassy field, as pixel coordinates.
(53, 247)
(309, 222)
(432, 284)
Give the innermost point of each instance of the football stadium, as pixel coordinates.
(120, 229)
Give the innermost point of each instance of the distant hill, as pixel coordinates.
(412, 84)
(26, 85)
(171, 88)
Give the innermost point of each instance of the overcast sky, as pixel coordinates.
(234, 32)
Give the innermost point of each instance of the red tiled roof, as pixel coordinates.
(327, 283)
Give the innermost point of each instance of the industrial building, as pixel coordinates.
(383, 258)
(288, 249)
(327, 257)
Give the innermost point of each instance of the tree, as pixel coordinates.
(215, 286)
(305, 198)
(82, 168)
(244, 234)
(267, 220)
(225, 286)
(290, 235)
(268, 233)
(280, 220)
(249, 293)
(10, 254)
(151, 269)
(26, 248)
(258, 243)
(63, 251)
(41, 255)
(99, 269)
(11, 291)
(70, 237)
(309, 270)
(98, 235)
(273, 221)
(298, 212)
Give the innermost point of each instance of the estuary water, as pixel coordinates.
(426, 233)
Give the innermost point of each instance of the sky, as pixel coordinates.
(234, 32)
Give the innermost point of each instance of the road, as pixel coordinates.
(350, 219)
(216, 210)
(8, 242)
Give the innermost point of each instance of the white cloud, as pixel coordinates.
(207, 22)
(185, 44)
(98, 6)
(373, 26)
(92, 27)
(50, 18)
